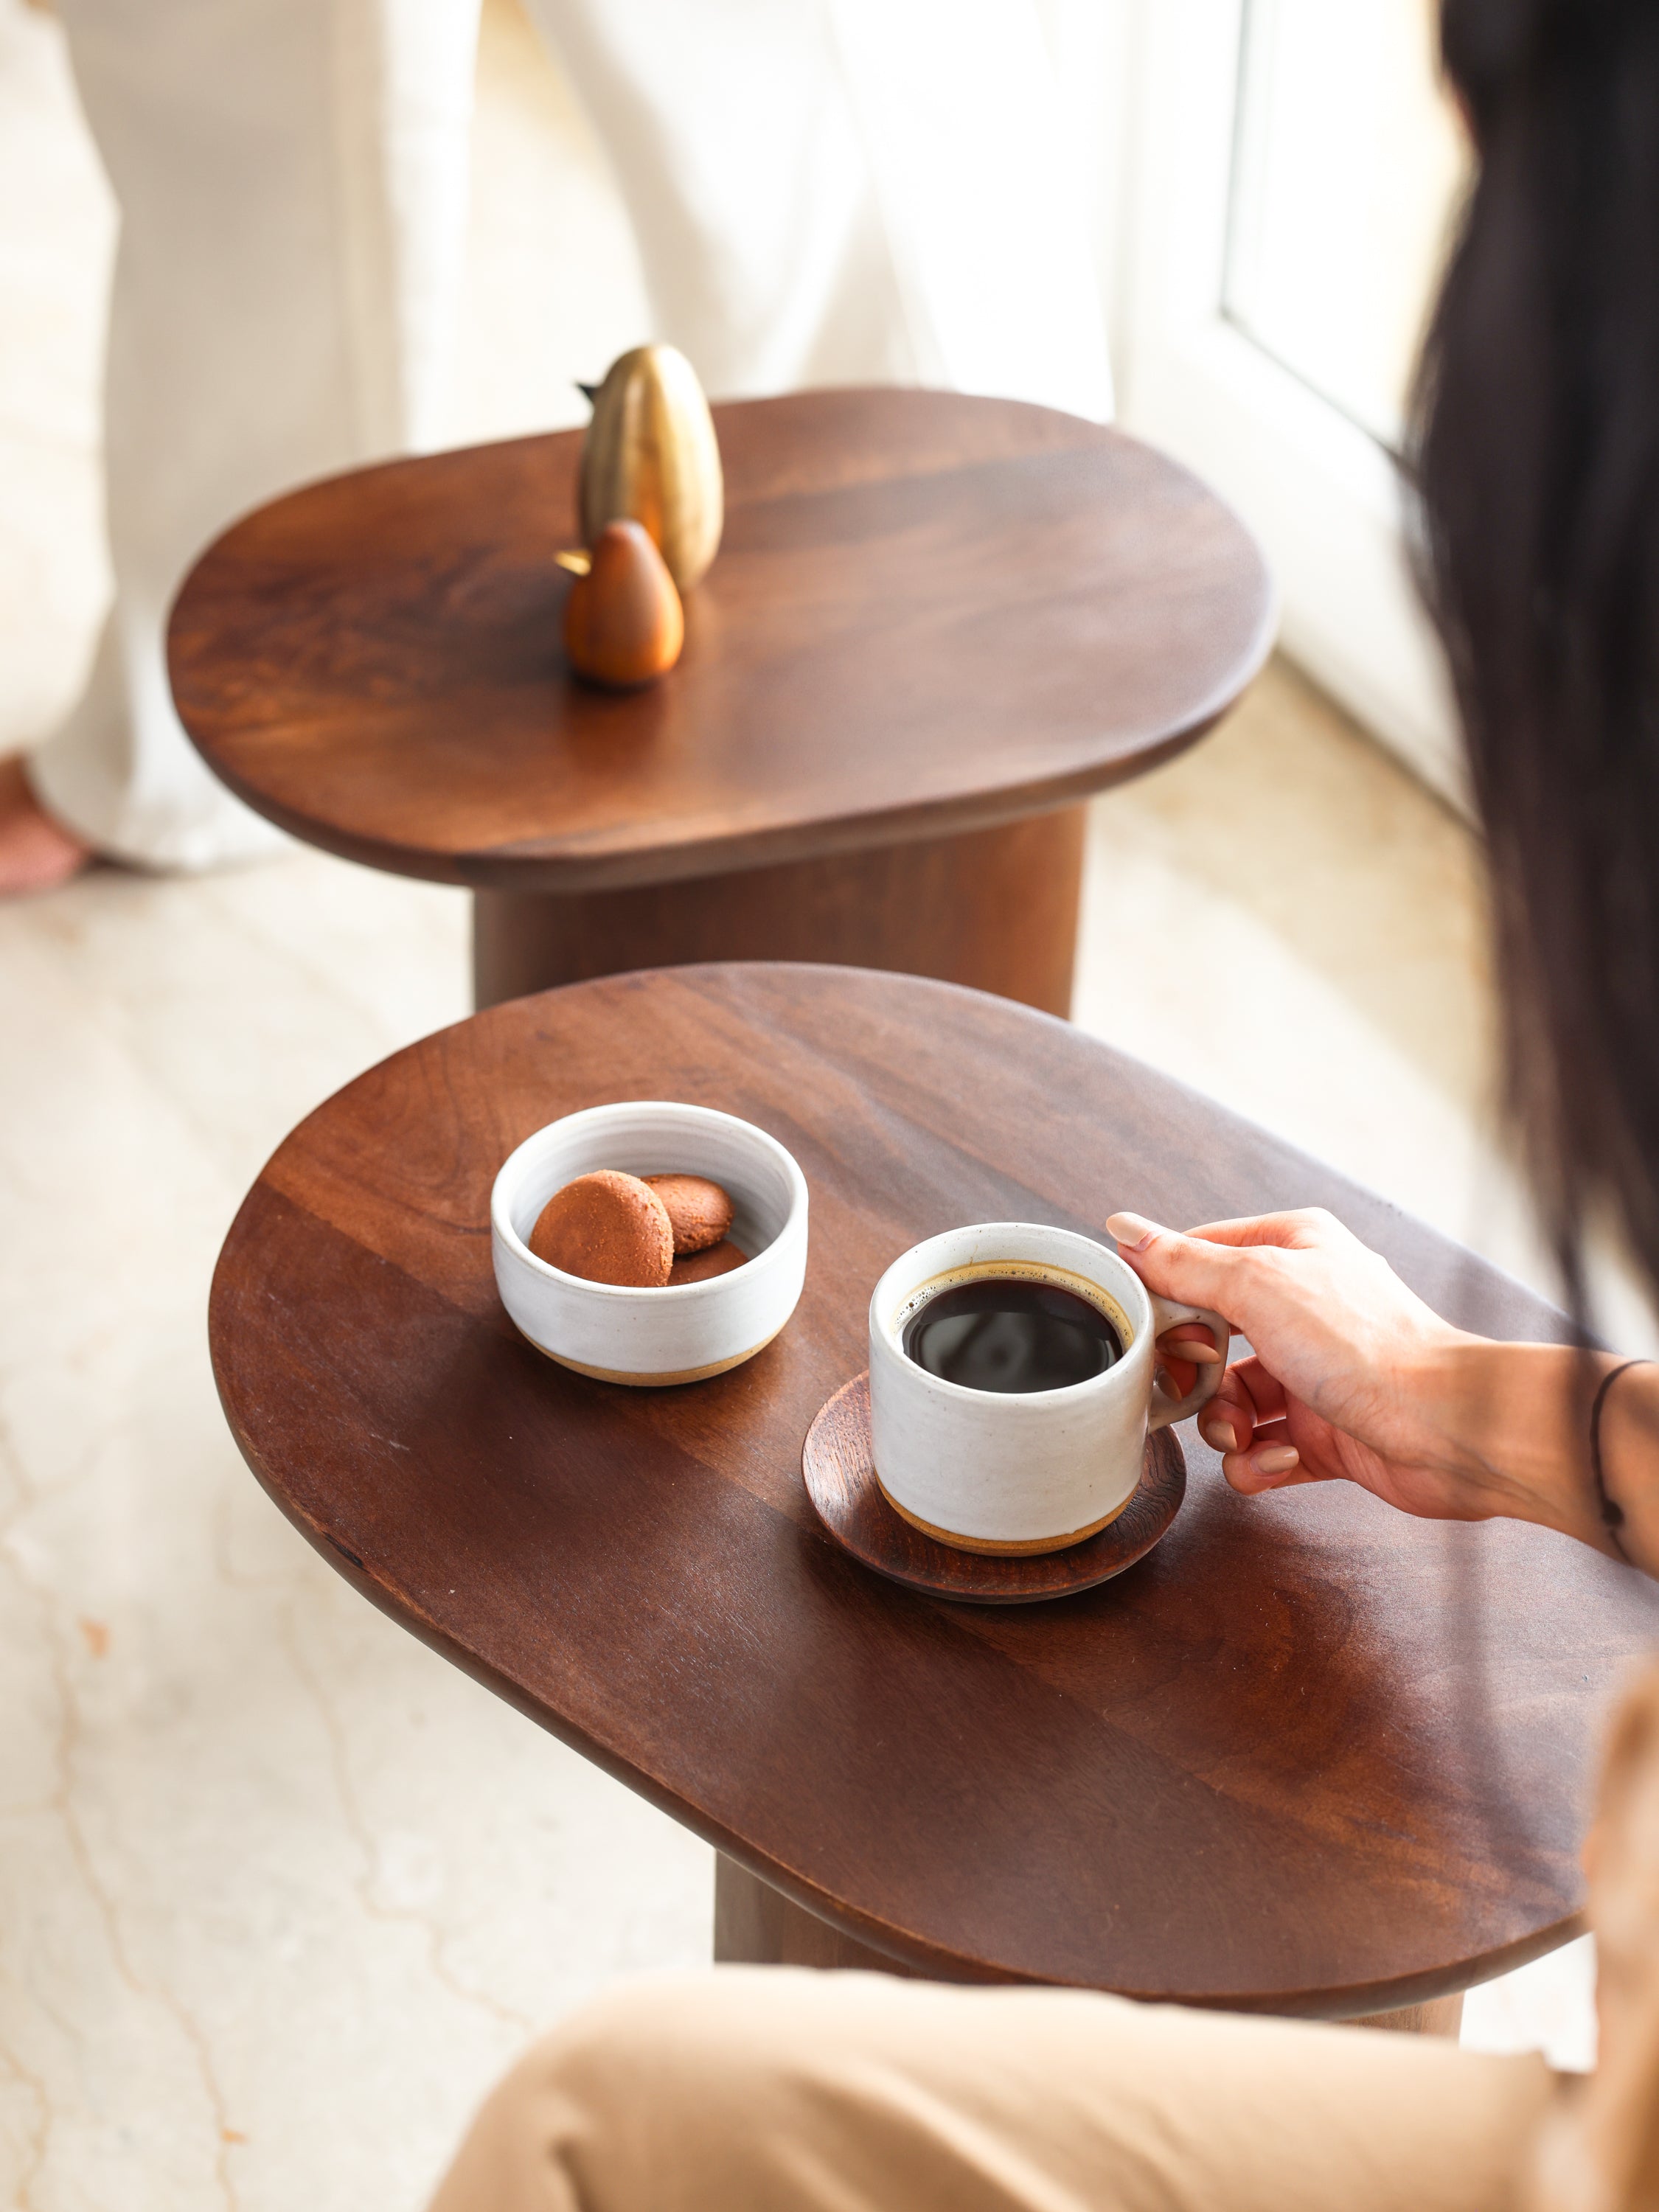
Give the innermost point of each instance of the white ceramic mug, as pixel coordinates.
(1014, 1472)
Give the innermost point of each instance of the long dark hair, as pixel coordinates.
(1536, 457)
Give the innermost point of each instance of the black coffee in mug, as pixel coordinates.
(1009, 1333)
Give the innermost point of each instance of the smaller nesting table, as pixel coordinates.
(936, 624)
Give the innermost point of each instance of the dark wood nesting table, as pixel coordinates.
(1309, 1757)
(935, 625)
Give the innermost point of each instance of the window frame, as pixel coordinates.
(1324, 496)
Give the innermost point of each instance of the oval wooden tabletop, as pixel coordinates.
(1308, 1756)
(929, 613)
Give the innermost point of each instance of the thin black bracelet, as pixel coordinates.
(1613, 1514)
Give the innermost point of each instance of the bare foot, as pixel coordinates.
(36, 853)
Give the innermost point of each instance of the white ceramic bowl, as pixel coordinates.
(653, 1337)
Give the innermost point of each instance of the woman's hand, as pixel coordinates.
(1353, 1378)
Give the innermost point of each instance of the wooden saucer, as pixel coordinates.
(841, 1481)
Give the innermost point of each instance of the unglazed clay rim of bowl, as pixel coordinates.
(765, 1289)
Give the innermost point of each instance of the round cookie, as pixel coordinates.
(700, 1210)
(713, 1259)
(608, 1228)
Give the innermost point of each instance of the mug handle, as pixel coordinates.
(1166, 1314)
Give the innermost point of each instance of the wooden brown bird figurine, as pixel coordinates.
(623, 623)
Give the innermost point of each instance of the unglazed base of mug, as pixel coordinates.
(999, 1549)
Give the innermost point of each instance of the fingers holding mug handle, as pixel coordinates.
(1167, 1315)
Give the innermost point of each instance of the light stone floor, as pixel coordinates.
(279, 1890)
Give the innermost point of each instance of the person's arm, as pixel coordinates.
(1354, 1378)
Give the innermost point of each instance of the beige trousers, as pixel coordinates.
(752, 2088)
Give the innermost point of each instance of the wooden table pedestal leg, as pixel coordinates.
(755, 1925)
(994, 909)
(1440, 2016)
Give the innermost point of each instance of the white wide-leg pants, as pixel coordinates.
(823, 191)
